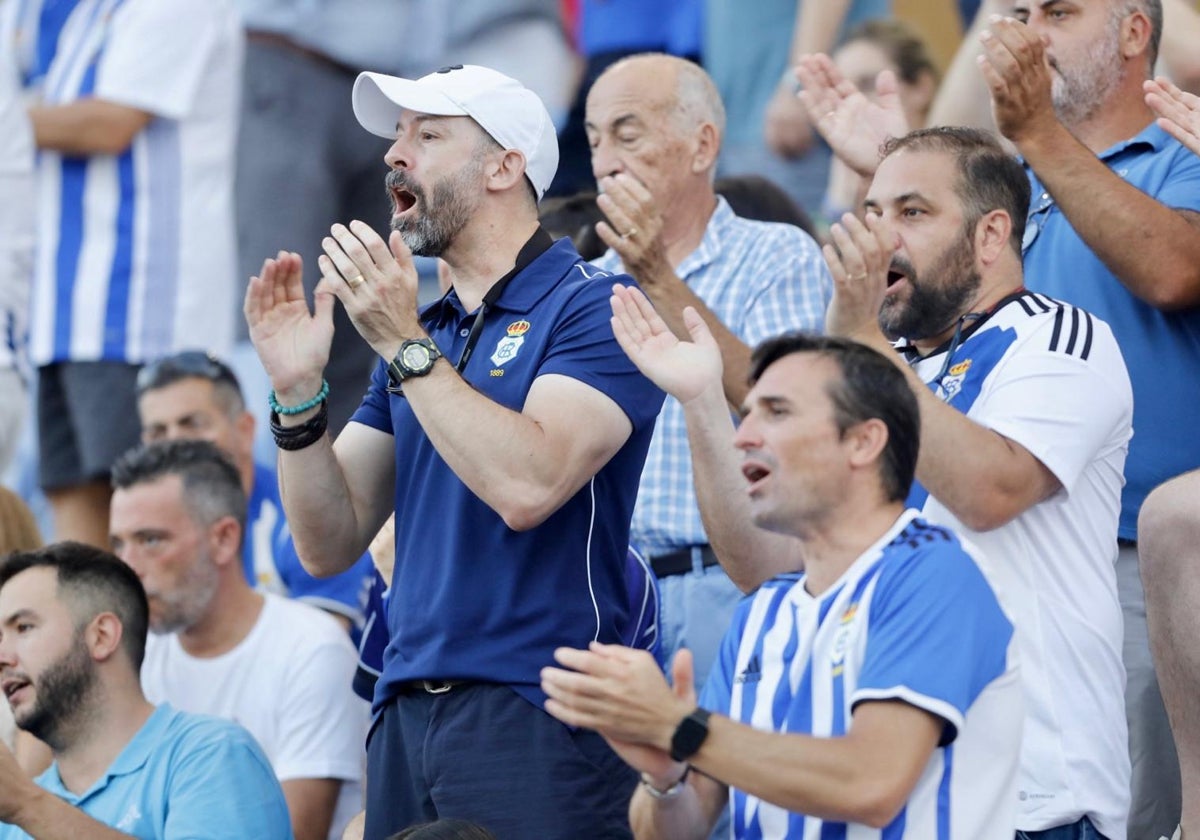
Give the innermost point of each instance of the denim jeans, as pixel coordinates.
(1081, 830)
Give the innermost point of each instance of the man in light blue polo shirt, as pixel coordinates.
(1114, 227)
(73, 623)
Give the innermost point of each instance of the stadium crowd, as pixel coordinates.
(579, 419)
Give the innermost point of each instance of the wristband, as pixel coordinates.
(291, 438)
(303, 407)
(672, 791)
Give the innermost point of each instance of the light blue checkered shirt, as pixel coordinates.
(760, 279)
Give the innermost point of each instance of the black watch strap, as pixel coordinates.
(690, 734)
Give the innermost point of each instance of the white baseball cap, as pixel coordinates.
(507, 110)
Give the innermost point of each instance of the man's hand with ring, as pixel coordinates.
(628, 206)
(380, 286)
(859, 256)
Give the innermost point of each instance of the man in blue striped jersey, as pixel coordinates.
(876, 689)
(133, 105)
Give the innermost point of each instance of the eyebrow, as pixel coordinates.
(619, 122)
(903, 198)
(17, 615)
(418, 119)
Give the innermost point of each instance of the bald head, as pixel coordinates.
(679, 88)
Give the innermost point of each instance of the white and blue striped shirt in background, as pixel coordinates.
(16, 216)
(135, 251)
(760, 279)
(913, 619)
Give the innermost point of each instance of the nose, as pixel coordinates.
(605, 160)
(8, 659)
(398, 156)
(746, 436)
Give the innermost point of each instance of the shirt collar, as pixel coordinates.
(533, 284)
(130, 760)
(710, 245)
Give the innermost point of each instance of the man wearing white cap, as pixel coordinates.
(505, 428)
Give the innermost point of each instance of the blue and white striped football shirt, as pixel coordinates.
(135, 251)
(913, 619)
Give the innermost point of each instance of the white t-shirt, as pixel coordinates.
(136, 251)
(1051, 377)
(289, 683)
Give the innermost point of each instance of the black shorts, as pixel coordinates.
(87, 418)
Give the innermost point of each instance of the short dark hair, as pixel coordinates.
(194, 364)
(575, 216)
(756, 197)
(92, 581)
(870, 388)
(989, 178)
(212, 488)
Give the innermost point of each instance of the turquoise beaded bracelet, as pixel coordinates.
(304, 406)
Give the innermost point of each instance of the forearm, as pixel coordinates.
(310, 804)
(1154, 250)
(507, 458)
(748, 554)
(46, 817)
(86, 127)
(829, 778)
(670, 295)
(975, 472)
(1181, 33)
(817, 27)
(962, 97)
(322, 517)
(681, 817)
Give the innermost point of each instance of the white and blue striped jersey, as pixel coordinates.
(913, 619)
(16, 217)
(135, 251)
(1050, 377)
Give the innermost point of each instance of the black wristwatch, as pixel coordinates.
(415, 358)
(690, 734)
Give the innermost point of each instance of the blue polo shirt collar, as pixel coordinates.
(1151, 136)
(522, 295)
(130, 760)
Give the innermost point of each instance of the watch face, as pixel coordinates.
(416, 356)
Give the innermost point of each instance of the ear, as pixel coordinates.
(867, 441)
(708, 144)
(507, 171)
(1135, 35)
(225, 536)
(103, 636)
(991, 236)
(244, 425)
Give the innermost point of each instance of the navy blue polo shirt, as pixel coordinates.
(471, 598)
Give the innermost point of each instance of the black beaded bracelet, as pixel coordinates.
(291, 438)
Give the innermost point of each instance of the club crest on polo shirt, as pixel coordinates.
(954, 380)
(508, 347)
(841, 641)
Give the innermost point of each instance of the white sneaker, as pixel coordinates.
(1178, 835)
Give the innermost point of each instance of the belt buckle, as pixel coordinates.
(436, 686)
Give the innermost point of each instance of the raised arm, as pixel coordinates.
(787, 124)
(335, 497)
(690, 371)
(629, 206)
(523, 464)
(1106, 211)
(982, 477)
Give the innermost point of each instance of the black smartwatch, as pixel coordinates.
(690, 734)
(415, 358)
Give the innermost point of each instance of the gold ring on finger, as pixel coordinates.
(355, 281)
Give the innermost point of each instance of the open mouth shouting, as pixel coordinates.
(755, 473)
(14, 689)
(403, 194)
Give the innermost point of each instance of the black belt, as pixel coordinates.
(680, 562)
(429, 686)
